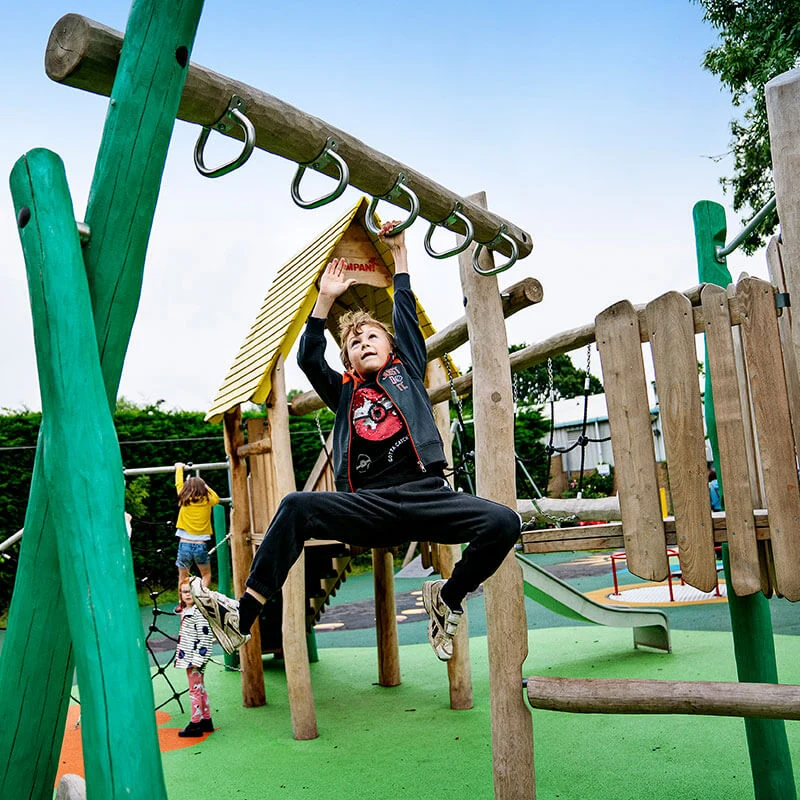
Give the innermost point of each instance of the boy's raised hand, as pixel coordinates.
(333, 284)
(395, 242)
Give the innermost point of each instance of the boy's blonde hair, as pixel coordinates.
(350, 323)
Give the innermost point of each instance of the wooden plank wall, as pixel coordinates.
(754, 412)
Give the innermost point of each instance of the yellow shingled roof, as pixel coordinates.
(289, 302)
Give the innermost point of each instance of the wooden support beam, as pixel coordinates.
(520, 295)
(295, 645)
(608, 696)
(459, 667)
(573, 339)
(386, 617)
(253, 694)
(610, 535)
(83, 53)
(507, 628)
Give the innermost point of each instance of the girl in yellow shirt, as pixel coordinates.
(193, 528)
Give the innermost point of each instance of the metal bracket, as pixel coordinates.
(783, 300)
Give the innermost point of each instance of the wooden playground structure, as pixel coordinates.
(85, 281)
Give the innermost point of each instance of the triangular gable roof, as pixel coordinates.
(287, 305)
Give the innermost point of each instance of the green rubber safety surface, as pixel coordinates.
(405, 742)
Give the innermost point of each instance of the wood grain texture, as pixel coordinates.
(459, 667)
(773, 423)
(253, 692)
(507, 630)
(619, 696)
(620, 349)
(386, 617)
(295, 646)
(734, 473)
(672, 341)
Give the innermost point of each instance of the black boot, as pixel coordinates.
(193, 730)
(207, 725)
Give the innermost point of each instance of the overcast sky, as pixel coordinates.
(590, 125)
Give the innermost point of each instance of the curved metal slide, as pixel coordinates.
(650, 627)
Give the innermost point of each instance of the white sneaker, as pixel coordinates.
(443, 620)
(222, 614)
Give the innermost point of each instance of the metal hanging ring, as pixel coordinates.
(492, 245)
(454, 217)
(327, 156)
(233, 114)
(398, 189)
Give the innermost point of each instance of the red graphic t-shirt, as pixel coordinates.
(381, 453)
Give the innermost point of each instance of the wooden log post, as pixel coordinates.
(459, 668)
(253, 693)
(783, 114)
(34, 678)
(507, 630)
(386, 617)
(295, 645)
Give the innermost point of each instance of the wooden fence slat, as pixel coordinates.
(672, 341)
(617, 330)
(745, 572)
(774, 427)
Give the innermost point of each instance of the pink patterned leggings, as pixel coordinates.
(197, 693)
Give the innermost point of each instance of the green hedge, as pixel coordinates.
(148, 437)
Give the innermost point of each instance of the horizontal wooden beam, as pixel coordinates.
(606, 696)
(610, 535)
(526, 292)
(257, 448)
(522, 294)
(84, 54)
(573, 339)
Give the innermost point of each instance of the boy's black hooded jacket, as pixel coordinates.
(402, 378)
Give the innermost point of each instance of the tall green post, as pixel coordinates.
(224, 567)
(37, 660)
(751, 623)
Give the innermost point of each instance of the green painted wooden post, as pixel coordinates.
(140, 120)
(751, 623)
(224, 569)
(86, 494)
(35, 647)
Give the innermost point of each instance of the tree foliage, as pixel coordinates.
(759, 39)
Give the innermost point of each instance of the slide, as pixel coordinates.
(650, 627)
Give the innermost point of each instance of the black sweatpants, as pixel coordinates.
(426, 510)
